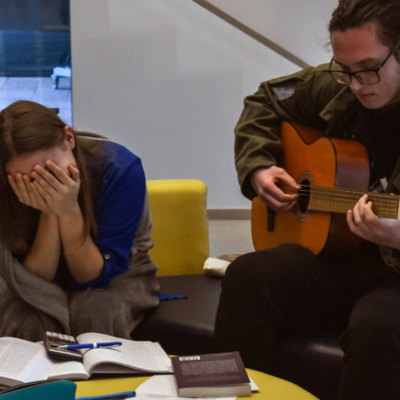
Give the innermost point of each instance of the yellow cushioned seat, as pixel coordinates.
(271, 388)
(180, 228)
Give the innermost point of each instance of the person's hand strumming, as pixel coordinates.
(264, 182)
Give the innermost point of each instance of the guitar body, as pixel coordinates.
(311, 158)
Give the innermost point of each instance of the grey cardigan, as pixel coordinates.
(30, 305)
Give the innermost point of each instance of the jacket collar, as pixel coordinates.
(336, 113)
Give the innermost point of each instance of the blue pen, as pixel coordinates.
(89, 345)
(123, 395)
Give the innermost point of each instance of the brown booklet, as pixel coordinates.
(211, 375)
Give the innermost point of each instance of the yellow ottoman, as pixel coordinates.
(180, 228)
(271, 388)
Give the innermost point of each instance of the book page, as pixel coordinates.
(144, 396)
(107, 368)
(22, 361)
(68, 370)
(144, 356)
(163, 386)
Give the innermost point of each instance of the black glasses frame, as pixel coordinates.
(350, 74)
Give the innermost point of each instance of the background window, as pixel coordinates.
(35, 54)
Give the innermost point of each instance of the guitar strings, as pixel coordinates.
(346, 198)
(381, 206)
(336, 192)
(343, 197)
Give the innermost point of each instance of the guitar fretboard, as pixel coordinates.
(336, 200)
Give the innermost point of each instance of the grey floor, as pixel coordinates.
(40, 90)
(226, 236)
(230, 236)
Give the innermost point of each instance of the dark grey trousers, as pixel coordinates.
(288, 287)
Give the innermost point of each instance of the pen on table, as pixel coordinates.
(123, 395)
(89, 345)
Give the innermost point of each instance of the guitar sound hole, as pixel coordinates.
(304, 198)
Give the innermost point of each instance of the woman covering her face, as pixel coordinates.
(74, 230)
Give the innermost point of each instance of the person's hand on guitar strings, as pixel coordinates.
(264, 182)
(364, 223)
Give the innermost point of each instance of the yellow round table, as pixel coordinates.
(271, 387)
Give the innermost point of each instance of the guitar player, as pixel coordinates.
(357, 97)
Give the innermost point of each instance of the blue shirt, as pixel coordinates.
(118, 209)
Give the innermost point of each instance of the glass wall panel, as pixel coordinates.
(35, 54)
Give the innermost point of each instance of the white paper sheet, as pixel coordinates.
(163, 386)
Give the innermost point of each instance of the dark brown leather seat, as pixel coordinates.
(183, 326)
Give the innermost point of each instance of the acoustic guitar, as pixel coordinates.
(334, 175)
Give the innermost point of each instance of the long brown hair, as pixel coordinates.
(27, 127)
(351, 14)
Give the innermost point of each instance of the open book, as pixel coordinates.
(22, 361)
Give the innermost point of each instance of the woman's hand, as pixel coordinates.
(58, 190)
(364, 223)
(27, 193)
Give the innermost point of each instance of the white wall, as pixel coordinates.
(300, 27)
(167, 79)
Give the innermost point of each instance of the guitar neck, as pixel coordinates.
(336, 200)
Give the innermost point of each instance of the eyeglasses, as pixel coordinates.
(365, 77)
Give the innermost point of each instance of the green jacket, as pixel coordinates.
(310, 97)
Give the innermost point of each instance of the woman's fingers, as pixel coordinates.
(74, 173)
(49, 184)
(14, 186)
(22, 193)
(26, 191)
(58, 188)
(38, 196)
(56, 172)
(54, 177)
(48, 188)
(46, 196)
